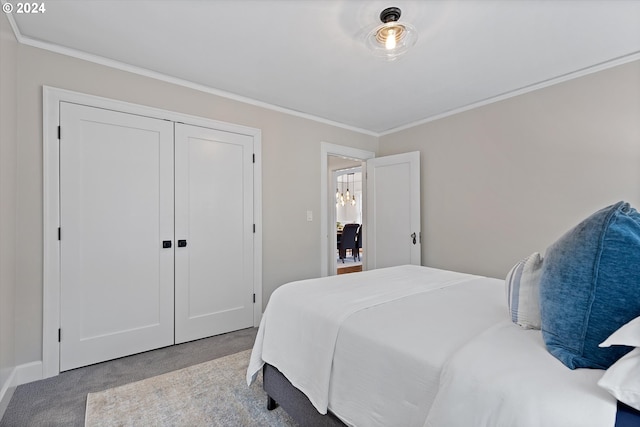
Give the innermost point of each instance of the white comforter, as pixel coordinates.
(300, 325)
(388, 359)
(505, 377)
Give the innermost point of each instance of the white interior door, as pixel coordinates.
(116, 208)
(214, 218)
(393, 211)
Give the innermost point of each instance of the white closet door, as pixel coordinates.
(393, 211)
(116, 208)
(214, 218)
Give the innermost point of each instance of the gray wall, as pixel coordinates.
(8, 148)
(290, 165)
(502, 181)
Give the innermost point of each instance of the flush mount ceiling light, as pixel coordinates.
(392, 38)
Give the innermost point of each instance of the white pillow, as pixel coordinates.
(522, 286)
(622, 379)
(628, 334)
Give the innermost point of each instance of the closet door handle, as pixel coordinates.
(182, 243)
(166, 244)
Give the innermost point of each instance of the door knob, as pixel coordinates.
(166, 244)
(182, 243)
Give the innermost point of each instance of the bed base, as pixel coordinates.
(281, 392)
(627, 416)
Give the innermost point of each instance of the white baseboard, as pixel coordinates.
(6, 391)
(22, 374)
(29, 372)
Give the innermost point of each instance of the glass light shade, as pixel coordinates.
(391, 39)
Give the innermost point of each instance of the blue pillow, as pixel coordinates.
(590, 287)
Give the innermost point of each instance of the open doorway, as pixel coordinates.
(348, 213)
(390, 208)
(336, 158)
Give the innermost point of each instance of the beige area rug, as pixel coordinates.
(213, 393)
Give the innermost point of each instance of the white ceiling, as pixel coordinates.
(309, 57)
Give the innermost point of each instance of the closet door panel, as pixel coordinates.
(214, 217)
(116, 203)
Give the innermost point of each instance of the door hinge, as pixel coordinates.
(59, 335)
(254, 228)
(254, 298)
(59, 233)
(58, 132)
(254, 157)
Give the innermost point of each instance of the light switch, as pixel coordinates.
(309, 216)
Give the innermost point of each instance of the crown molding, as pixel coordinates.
(28, 41)
(256, 103)
(533, 87)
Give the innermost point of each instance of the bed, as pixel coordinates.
(419, 346)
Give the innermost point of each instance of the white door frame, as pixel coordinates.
(51, 204)
(327, 149)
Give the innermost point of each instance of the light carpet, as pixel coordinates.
(213, 393)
